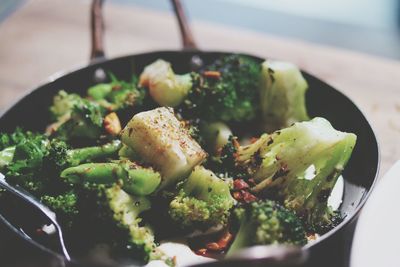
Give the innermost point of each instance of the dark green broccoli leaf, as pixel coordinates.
(227, 90)
(25, 167)
(8, 142)
(16, 137)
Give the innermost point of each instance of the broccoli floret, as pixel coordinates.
(26, 164)
(8, 142)
(35, 162)
(266, 222)
(280, 165)
(165, 87)
(118, 222)
(86, 121)
(16, 137)
(203, 201)
(64, 205)
(282, 95)
(63, 104)
(227, 90)
(76, 117)
(118, 94)
(133, 178)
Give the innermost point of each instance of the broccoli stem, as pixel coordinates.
(244, 237)
(126, 210)
(99, 173)
(135, 180)
(85, 154)
(266, 222)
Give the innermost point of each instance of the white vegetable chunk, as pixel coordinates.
(282, 94)
(216, 135)
(160, 140)
(165, 87)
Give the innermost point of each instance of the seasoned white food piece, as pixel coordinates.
(160, 140)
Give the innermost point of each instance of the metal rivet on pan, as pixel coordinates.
(99, 75)
(196, 62)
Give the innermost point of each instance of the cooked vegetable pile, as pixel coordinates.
(225, 156)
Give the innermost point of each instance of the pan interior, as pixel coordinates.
(31, 112)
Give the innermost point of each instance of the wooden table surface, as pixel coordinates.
(47, 36)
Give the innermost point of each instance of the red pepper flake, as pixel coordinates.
(201, 252)
(116, 87)
(222, 243)
(237, 195)
(240, 184)
(248, 197)
(235, 143)
(225, 240)
(213, 246)
(39, 231)
(212, 74)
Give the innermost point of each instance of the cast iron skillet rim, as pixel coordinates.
(98, 62)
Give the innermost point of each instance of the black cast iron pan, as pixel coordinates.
(31, 112)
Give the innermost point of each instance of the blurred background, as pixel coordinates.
(371, 26)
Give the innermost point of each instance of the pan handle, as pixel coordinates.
(97, 28)
(188, 42)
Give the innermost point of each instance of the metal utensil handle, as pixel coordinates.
(27, 197)
(97, 28)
